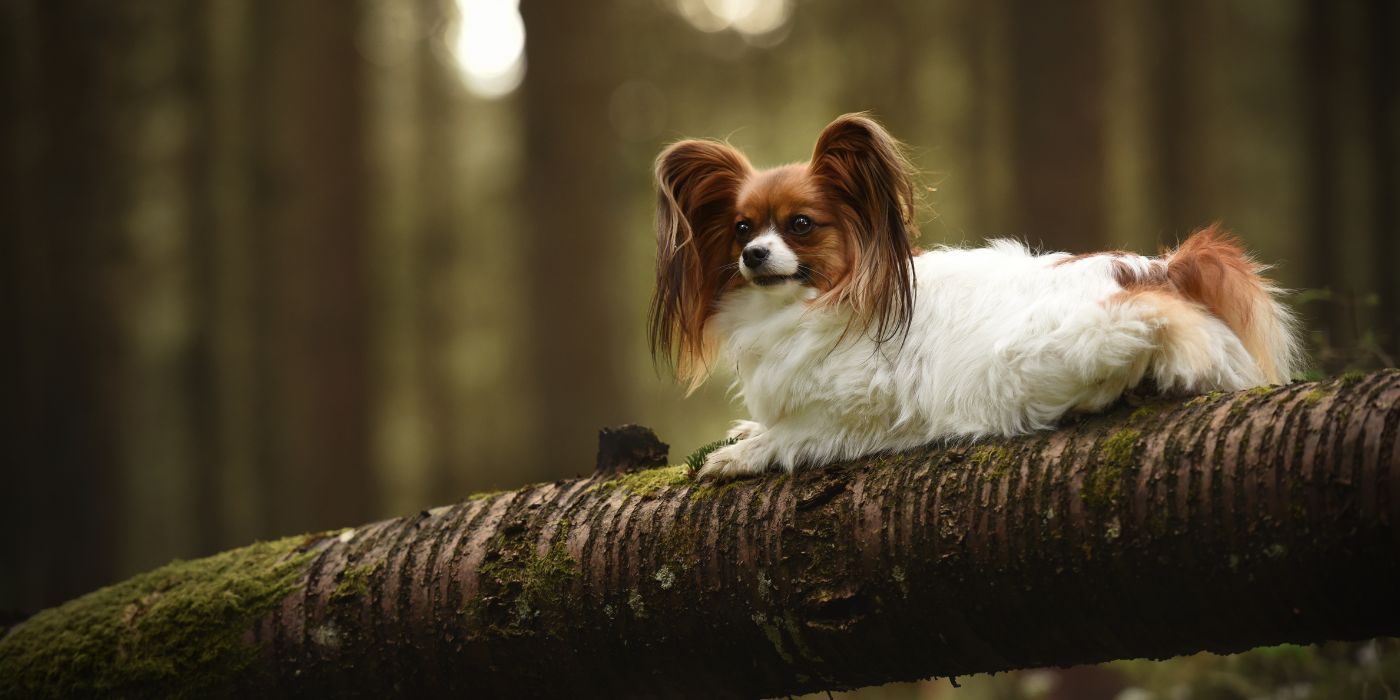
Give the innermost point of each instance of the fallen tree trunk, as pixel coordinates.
(1217, 523)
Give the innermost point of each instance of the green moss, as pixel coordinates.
(1149, 410)
(354, 581)
(176, 631)
(713, 489)
(646, 482)
(998, 458)
(1103, 485)
(536, 576)
(483, 495)
(1352, 377)
(1203, 399)
(697, 458)
(1240, 407)
(529, 582)
(545, 576)
(1314, 397)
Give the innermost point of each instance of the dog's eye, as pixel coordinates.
(801, 224)
(743, 228)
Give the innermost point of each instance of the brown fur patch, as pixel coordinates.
(697, 185)
(1154, 277)
(866, 174)
(773, 198)
(1213, 270)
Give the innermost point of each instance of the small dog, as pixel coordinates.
(847, 341)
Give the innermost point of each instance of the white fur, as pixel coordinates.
(781, 260)
(1002, 342)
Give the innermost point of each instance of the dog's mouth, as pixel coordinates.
(802, 276)
(770, 280)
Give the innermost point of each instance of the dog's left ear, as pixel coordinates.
(866, 168)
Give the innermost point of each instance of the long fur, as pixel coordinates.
(697, 183)
(872, 178)
(994, 341)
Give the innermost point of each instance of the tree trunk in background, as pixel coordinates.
(1181, 40)
(573, 246)
(173, 371)
(68, 193)
(1132, 200)
(1383, 127)
(1320, 55)
(1057, 106)
(313, 271)
(1217, 523)
(882, 77)
(402, 441)
(1348, 60)
(235, 500)
(993, 120)
(162, 406)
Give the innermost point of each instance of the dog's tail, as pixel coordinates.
(1213, 270)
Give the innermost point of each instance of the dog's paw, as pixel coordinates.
(731, 462)
(744, 429)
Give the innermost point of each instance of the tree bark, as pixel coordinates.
(1216, 523)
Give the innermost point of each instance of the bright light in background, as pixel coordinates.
(489, 46)
(751, 18)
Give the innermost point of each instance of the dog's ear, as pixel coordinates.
(866, 170)
(697, 186)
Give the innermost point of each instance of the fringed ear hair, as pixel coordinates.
(865, 167)
(697, 184)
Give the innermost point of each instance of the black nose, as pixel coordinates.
(754, 256)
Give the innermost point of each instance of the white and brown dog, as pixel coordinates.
(847, 341)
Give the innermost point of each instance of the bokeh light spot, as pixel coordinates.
(489, 45)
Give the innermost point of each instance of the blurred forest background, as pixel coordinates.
(273, 266)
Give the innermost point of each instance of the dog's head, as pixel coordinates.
(839, 224)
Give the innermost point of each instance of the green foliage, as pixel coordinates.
(697, 458)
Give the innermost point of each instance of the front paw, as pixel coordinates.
(744, 429)
(731, 462)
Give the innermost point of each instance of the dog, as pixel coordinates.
(847, 341)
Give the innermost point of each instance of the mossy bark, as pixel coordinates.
(1217, 523)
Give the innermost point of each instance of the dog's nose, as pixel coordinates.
(754, 256)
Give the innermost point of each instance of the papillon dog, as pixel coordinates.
(848, 341)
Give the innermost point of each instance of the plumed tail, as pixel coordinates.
(1213, 270)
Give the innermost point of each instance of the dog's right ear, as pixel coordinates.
(697, 185)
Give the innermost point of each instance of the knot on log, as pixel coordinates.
(629, 448)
